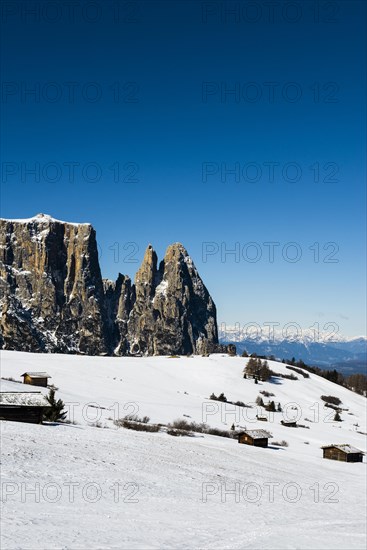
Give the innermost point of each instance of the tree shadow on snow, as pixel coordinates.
(66, 424)
(276, 380)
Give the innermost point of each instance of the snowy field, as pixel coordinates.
(77, 486)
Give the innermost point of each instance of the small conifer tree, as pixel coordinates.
(54, 413)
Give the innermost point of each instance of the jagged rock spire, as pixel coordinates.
(54, 299)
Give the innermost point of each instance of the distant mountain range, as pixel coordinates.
(347, 355)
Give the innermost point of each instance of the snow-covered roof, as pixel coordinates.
(257, 434)
(25, 399)
(348, 449)
(37, 374)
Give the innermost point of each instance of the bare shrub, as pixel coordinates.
(286, 376)
(175, 432)
(289, 376)
(282, 443)
(331, 399)
(134, 422)
(140, 427)
(220, 433)
(182, 425)
(137, 426)
(220, 397)
(136, 418)
(299, 371)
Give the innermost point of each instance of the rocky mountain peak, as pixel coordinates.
(41, 217)
(53, 297)
(147, 272)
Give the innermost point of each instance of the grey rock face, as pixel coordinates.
(53, 298)
(50, 284)
(119, 300)
(173, 309)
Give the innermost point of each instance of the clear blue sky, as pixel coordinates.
(176, 127)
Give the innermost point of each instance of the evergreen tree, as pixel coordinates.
(279, 408)
(232, 350)
(357, 383)
(337, 417)
(264, 371)
(251, 367)
(54, 413)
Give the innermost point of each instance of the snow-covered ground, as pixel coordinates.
(77, 486)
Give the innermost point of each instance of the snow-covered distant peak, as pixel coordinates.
(270, 332)
(42, 219)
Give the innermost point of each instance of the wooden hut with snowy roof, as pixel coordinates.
(258, 438)
(23, 406)
(36, 378)
(343, 452)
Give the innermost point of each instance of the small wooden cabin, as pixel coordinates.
(23, 406)
(262, 418)
(343, 452)
(258, 438)
(289, 423)
(36, 378)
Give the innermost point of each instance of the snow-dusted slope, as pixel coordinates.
(295, 498)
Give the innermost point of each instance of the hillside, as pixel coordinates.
(173, 475)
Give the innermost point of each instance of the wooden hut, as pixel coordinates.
(23, 406)
(36, 378)
(258, 438)
(289, 423)
(343, 452)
